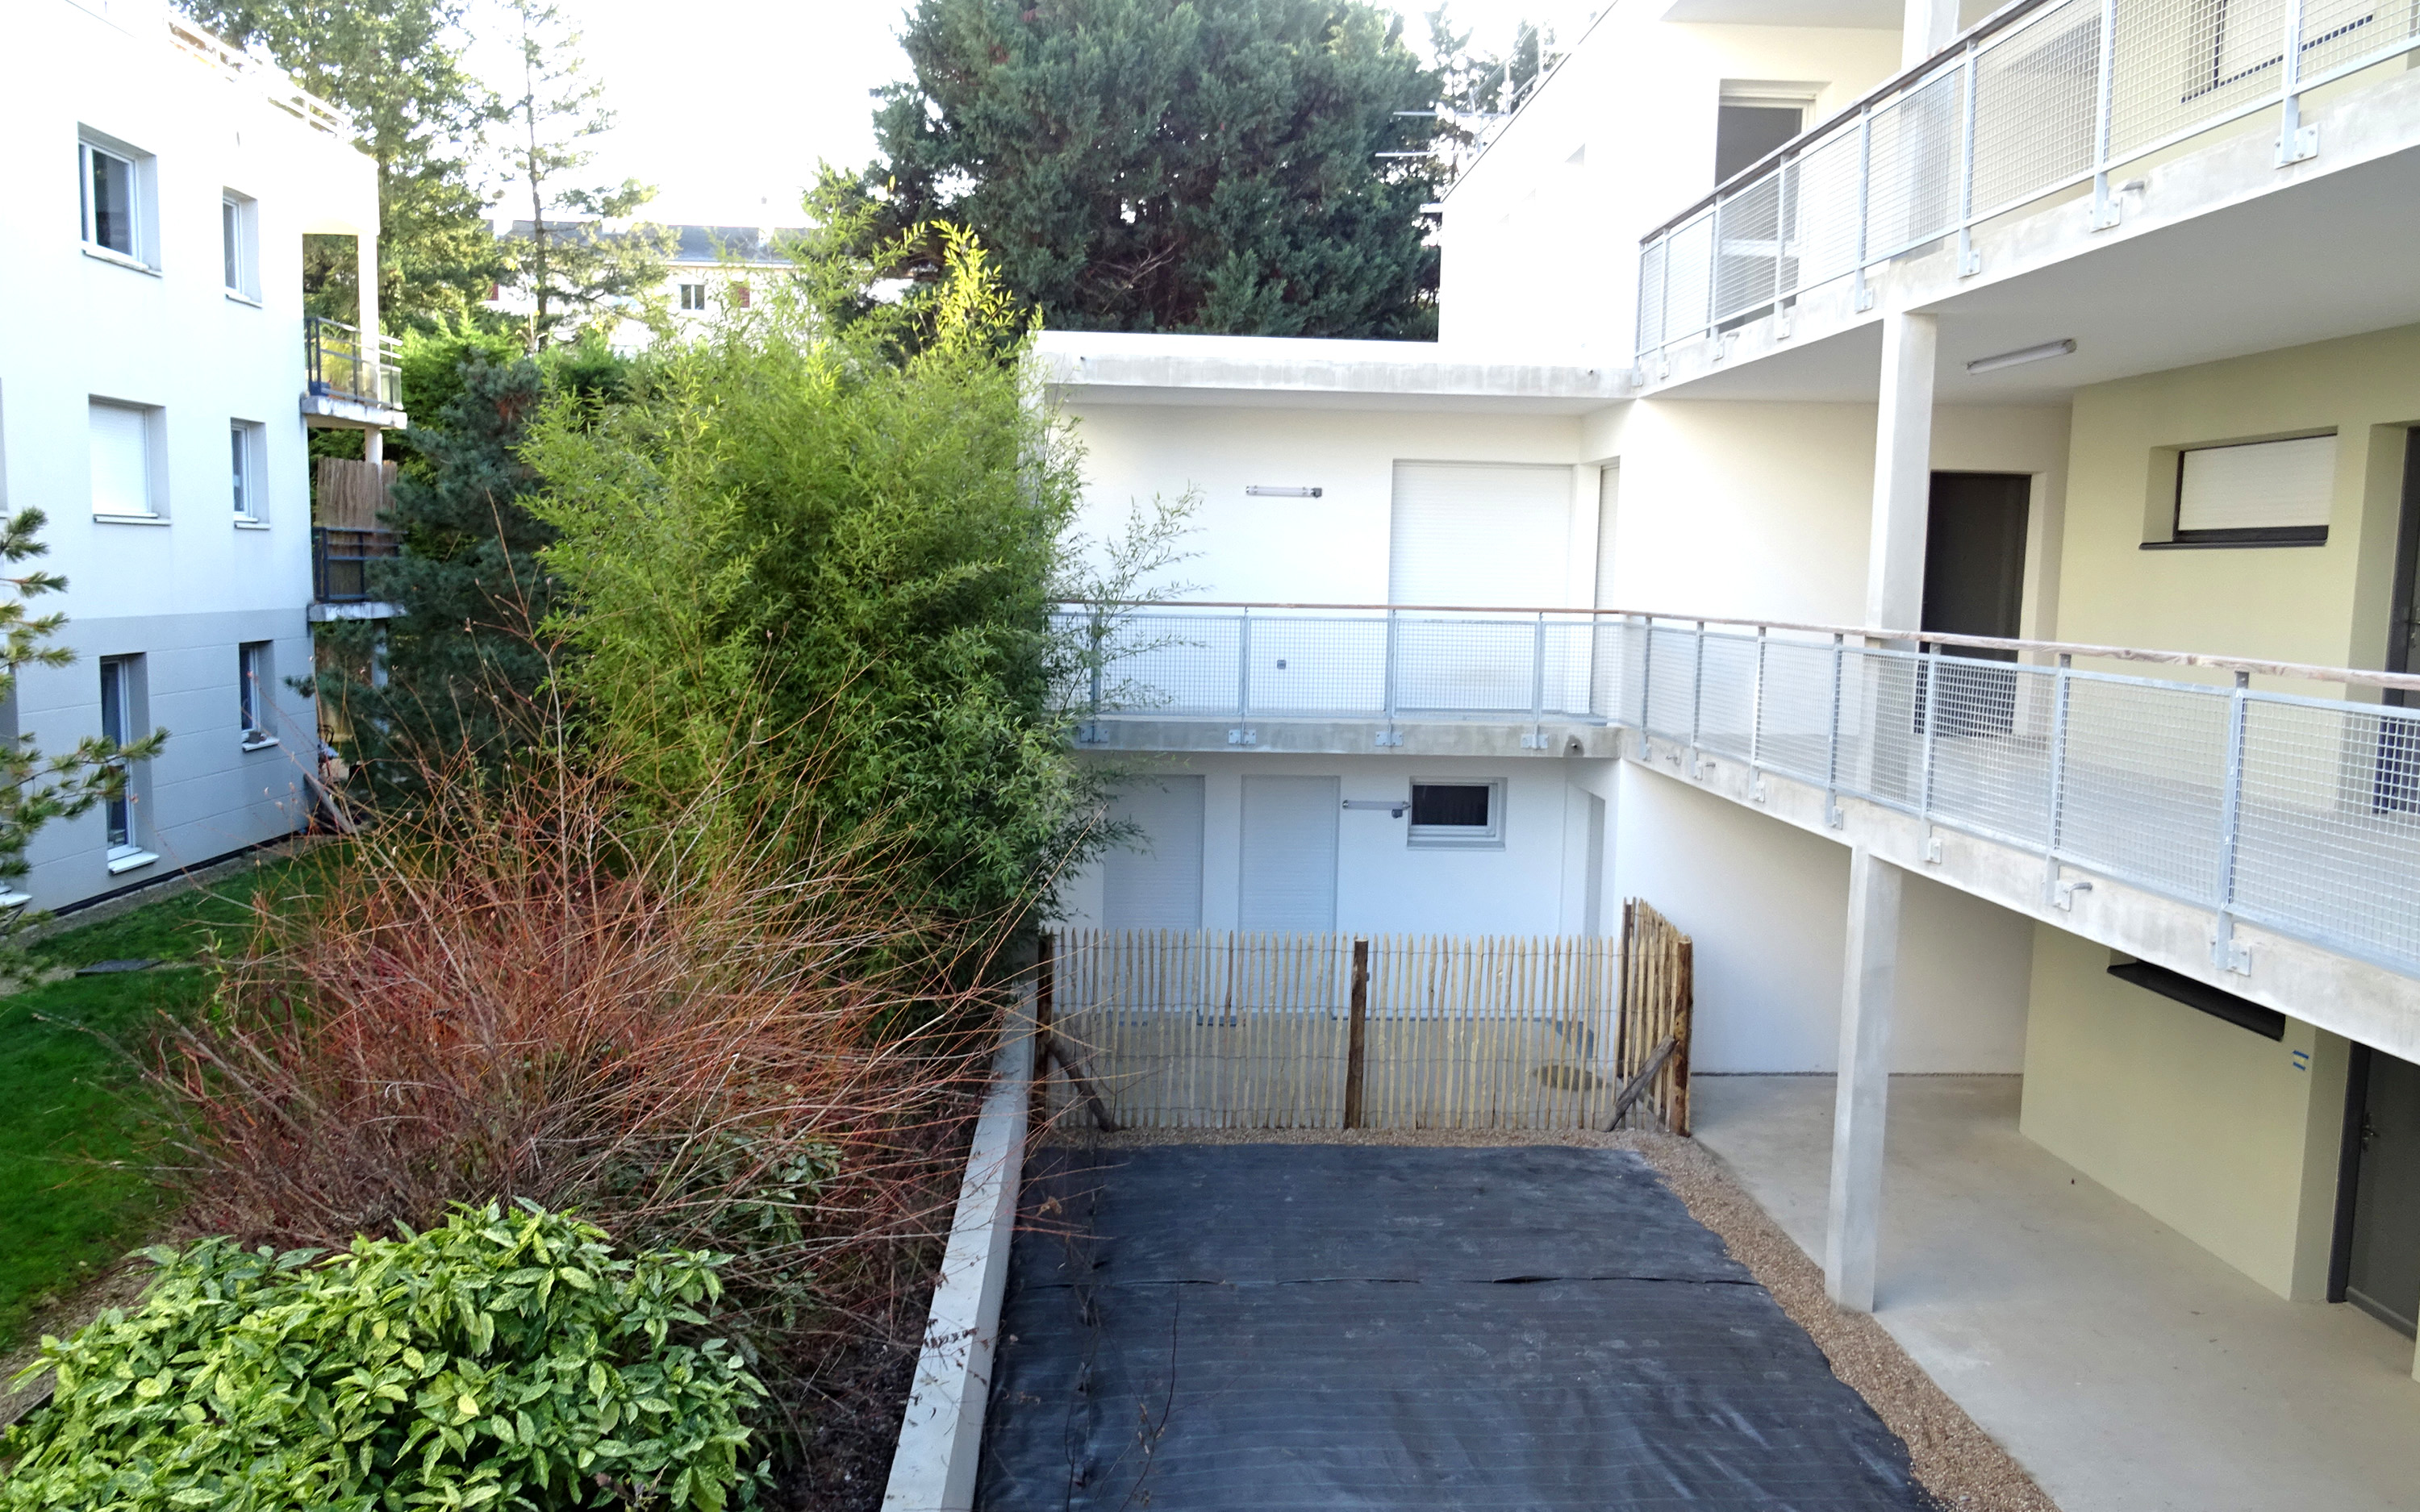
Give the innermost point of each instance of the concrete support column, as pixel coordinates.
(1929, 27)
(1902, 474)
(1867, 982)
(374, 445)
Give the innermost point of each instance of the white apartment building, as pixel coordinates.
(1780, 337)
(156, 384)
(710, 269)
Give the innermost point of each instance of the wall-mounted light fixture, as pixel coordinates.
(2021, 356)
(1272, 491)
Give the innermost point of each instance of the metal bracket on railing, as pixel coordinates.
(2227, 953)
(1388, 736)
(1243, 737)
(1832, 814)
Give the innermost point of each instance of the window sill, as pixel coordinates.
(119, 865)
(102, 518)
(1439, 842)
(15, 900)
(118, 259)
(239, 296)
(244, 524)
(261, 744)
(2267, 543)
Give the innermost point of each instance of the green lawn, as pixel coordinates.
(66, 1212)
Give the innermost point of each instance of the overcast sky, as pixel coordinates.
(728, 105)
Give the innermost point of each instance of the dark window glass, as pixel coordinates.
(1743, 133)
(1454, 805)
(111, 191)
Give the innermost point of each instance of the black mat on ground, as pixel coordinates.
(1282, 1326)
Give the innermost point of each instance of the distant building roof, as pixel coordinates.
(697, 244)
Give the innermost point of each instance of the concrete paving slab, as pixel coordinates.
(2128, 1368)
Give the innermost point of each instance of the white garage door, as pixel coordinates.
(1154, 881)
(1289, 853)
(1480, 532)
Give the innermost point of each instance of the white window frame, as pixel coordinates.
(255, 692)
(693, 297)
(151, 421)
(240, 244)
(247, 471)
(142, 231)
(121, 714)
(1487, 837)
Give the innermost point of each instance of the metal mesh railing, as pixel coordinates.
(2048, 98)
(2298, 813)
(341, 363)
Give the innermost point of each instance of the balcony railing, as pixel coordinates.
(2043, 99)
(272, 81)
(2296, 811)
(344, 366)
(339, 574)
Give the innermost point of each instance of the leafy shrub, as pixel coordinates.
(504, 1362)
(525, 993)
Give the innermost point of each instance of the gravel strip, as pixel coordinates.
(1953, 1459)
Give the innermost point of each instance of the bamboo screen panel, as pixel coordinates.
(1656, 998)
(1209, 1029)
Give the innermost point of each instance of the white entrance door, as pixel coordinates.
(1289, 853)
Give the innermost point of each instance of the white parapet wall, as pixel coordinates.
(940, 1439)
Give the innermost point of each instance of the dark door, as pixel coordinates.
(2380, 1256)
(1974, 584)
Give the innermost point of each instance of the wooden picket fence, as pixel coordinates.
(1164, 1028)
(350, 494)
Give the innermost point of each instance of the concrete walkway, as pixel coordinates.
(2125, 1366)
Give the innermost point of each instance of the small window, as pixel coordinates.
(112, 216)
(253, 689)
(246, 442)
(116, 722)
(1449, 814)
(692, 296)
(739, 296)
(2260, 493)
(239, 238)
(121, 460)
(1746, 131)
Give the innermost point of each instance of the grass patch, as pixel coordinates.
(71, 1202)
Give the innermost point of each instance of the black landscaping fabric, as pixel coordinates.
(1280, 1326)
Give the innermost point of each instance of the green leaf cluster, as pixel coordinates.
(814, 565)
(502, 1361)
(1208, 165)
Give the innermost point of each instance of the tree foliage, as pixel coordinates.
(35, 789)
(460, 670)
(1206, 166)
(398, 67)
(580, 272)
(503, 1360)
(824, 557)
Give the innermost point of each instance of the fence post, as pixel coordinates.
(1931, 665)
(1865, 297)
(1394, 650)
(1756, 722)
(1538, 675)
(2104, 212)
(1646, 680)
(2224, 952)
(1969, 263)
(1356, 1043)
(1697, 697)
(2295, 141)
(2057, 776)
(1832, 814)
(1244, 666)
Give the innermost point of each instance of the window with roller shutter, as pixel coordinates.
(2257, 493)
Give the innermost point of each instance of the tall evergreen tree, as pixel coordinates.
(580, 273)
(1208, 165)
(458, 671)
(396, 68)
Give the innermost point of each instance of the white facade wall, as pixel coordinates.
(185, 589)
